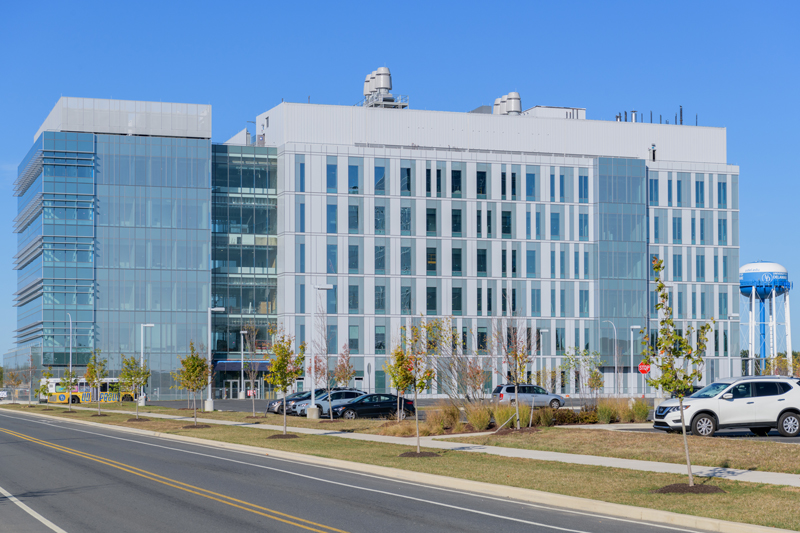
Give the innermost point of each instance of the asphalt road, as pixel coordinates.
(773, 436)
(86, 479)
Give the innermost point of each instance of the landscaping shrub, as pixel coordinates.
(403, 429)
(435, 422)
(450, 412)
(565, 416)
(524, 416)
(588, 416)
(545, 417)
(503, 412)
(640, 410)
(478, 415)
(611, 409)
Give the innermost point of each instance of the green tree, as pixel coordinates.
(44, 384)
(343, 373)
(584, 366)
(95, 374)
(133, 377)
(69, 381)
(417, 371)
(286, 366)
(13, 379)
(679, 366)
(395, 367)
(194, 373)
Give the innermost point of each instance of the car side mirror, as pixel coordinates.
(727, 396)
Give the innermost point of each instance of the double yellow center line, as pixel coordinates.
(227, 500)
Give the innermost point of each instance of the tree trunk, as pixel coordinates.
(194, 400)
(98, 400)
(516, 401)
(137, 405)
(398, 406)
(530, 422)
(686, 444)
(284, 412)
(416, 416)
(253, 396)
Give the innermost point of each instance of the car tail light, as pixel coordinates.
(501, 395)
(409, 402)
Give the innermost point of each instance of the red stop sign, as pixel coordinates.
(644, 368)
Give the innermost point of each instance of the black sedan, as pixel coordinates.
(374, 406)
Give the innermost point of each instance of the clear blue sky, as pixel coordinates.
(735, 64)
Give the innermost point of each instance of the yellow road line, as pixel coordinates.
(228, 500)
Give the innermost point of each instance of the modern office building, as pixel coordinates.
(540, 218)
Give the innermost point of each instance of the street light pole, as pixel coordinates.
(209, 401)
(241, 387)
(633, 376)
(311, 410)
(616, 371)
(141, 353)
(70, 347)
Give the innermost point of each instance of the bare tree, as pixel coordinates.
(511, 340)
(459, 372)
(251, 358)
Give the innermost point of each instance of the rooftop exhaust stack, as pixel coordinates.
(376, 91)
(496, 108)
(513, 104)
(504, 105)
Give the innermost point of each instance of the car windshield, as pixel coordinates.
(710, 391)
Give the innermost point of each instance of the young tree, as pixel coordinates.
(419, 352)
(13, 379)
(286, 365)
(44, 385)
(30, 370)
(511, 339)
(134, 376)
(251, 359)
(95, 374)
(321, 381)
(343, 372)
(69, 381)
(396, 368)
(194, 374)
(679, 366)
(584, 366)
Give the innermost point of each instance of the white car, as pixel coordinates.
(338, 397)
(758, 403)
(3, 394)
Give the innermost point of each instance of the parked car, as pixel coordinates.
(759, 403)
(338, 397)
(688, 392)
(527, 393)
(374, 406)
(276, 406)
(4, 395)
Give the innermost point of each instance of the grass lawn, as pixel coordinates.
(745, 454)
(744, 502)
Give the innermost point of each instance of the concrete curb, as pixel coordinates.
(500, 491)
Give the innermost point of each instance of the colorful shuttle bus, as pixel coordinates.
(110, 391)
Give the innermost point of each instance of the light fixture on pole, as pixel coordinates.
(209, 401)
(311, 410)
(616, 371)
(241, 386)
(633, 376)
(141, 354)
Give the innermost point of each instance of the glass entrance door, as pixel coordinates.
(231, 389)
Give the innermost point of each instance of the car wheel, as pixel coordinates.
(761, 432)
(403, 415)
(789, 424)
(703, 426)
(349, 414)
(555, 404)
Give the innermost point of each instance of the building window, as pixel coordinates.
(677, 267)
(332, 339)
(677, 230)
(427, 182)
(552, 264)
(431, 261)
(506, 223)
(585, 265)
(504, 301)
(380, 299)
(332, 307)
(561, 341)
(530, 263)
(455, 178)
(513, 185)
(700, 267)
(301, 176)
(513, 263)
(456, 301)
(552, 184)
(331, 218)
(301, 218)
(699, 192)
(380, 259)
(679, 191)
(722, 195)
(669, 191)
(380, 179)
(724, 269)
(723, 305)
(555, 226)
(654, 191)
(405, 221)
(503, 263)
(656, 238)
(528, 225)
(456, 261)
(481, 263)
(480, 184)
(716, 268)
(583, 186)
(503, 184)
(530, 186)
(332, 265)
(331, 176)
(576, 267)
(561, 185)
(702, 231)
(352, 179)
(380, 220)
(439, 182)
(430, 221)
(536, 302)
(380, 339)
(538, 225)
(405, 260)
(563, 302)
(352, 341)
(479, 299)
(722, 226)
(352, 218)
(562, 264)
(431, 300)
(479, 222)
(584, 303)
(301, 253)
(488, 300)
(456, 219)
(405, 181)
(489, 223)
(301, 304)
(405, 300)
(583, 227)
(352, 299)
(483, 340)
(352, 259)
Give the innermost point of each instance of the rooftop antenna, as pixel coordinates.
(660, 120)
(695, 119)
(651, 117)
(681, 115)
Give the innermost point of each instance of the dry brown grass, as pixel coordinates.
(744, 502)
(744, 454)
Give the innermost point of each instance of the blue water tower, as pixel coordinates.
(764, 282)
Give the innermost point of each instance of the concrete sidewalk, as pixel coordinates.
(442, 443)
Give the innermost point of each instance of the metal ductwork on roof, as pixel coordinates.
(510, 104)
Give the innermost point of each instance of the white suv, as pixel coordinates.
(759, 403)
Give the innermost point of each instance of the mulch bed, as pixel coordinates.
(420, 454)
(201, 426)
(513, 431)
(185, 409)
(47, 409)
(684, 488)
(66, 412)
(138, 419)
(99, 415)
(282, 436)
(329, 421)
(255, 417)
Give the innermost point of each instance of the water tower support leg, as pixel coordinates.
(773, 328)
(788, 332)
(751, 347)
